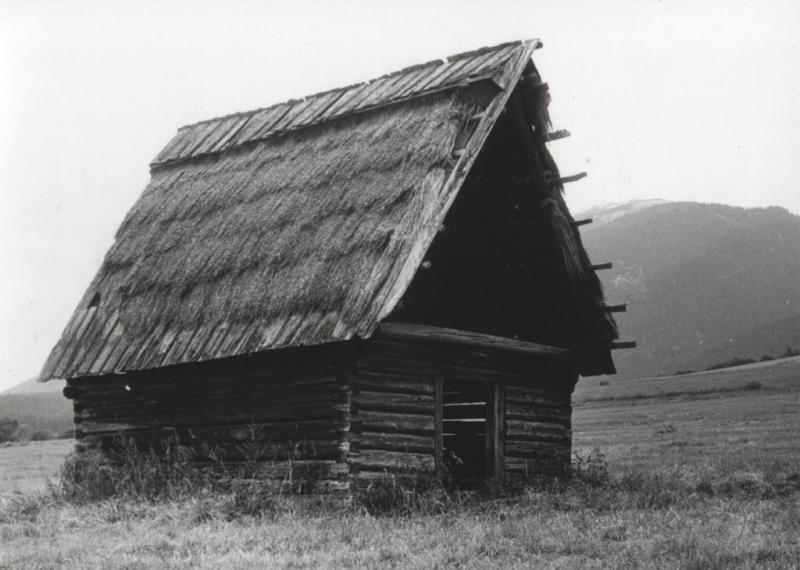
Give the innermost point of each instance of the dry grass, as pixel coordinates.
(710, 481)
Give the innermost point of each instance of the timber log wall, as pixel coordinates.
(284, 412)
(344, 416)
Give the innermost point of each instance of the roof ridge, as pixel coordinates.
(408, 69)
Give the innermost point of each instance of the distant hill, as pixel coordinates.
(704, 282)
(33, 386)
(42, 411)
(40, 405)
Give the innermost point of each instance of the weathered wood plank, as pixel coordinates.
(228, 451)
(223, 415)
(374, 460)
(395, 423)
(519, 429)
(214, 397)
(535, 413)
(388, 382)
(522, 394)
(229, 383)
(280, 431)
(472, 340)
(388, 441)
(536, 449)
(366, 398)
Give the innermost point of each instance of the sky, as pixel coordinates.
(664, 99)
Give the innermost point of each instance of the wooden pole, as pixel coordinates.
(438, 433)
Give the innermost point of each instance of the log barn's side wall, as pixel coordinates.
(284, 413)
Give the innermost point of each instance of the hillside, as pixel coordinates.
(704, 282)
(33, 386)
(43, 411)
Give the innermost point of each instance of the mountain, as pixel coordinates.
(704, 283)
(33, 386)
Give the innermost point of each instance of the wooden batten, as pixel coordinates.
(479, 341)
(555, 135)
(568, 179)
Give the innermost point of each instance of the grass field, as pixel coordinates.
(704, 473)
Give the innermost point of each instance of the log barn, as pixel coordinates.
(376, 280)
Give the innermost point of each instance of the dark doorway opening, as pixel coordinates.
(465, 409)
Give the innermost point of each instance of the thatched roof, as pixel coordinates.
(298, 224)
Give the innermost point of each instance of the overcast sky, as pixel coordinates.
(674, 100)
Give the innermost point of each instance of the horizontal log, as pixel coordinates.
(516, 468)
(291, 469)
(328, 393)
(537, 449)
(601, 266)
(386, 382)
(213, 371)
(621, 308)
(579, 223)
(134, 391)
(422, 369)
(374, 460)
(623, 344)
(562, 436)
(536, 414)
(225, 451)
(523, 394)
(387, 441)
(472, 340)
(232, 415)
(285, 431)
(393, 403)
(520, 429)
(408, 358)
(393, 423)
(70, 392)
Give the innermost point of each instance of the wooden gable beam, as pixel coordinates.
(623, 344)
(621, 308)
(601, 266)
(578, 223)
(568, 179)
(555, 135)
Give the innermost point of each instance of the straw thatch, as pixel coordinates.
(298, 224)
(308, 224)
